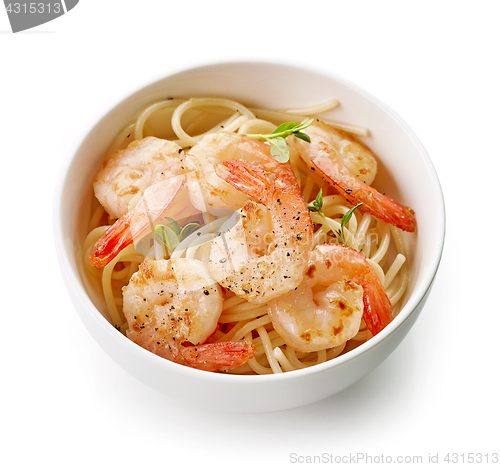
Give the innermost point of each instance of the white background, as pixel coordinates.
(435, 63)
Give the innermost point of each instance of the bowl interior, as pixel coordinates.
(404, 167)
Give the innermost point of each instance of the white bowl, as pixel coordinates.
(404, 168)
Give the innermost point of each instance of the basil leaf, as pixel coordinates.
(166, 237)
(279, 149)
(188, 229)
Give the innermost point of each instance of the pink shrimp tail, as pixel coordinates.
(114, 240)
(217, 356)
(355, 191)
(246, 178)
(377, 307)
(260, 183)
(353, 264)
(131, 226)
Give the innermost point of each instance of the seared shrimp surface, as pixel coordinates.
(265, 254)
(203, 158)
(339, 288)
(349, 167)
(129, 172)
(356, 157)
(135, 223)
(171, 303)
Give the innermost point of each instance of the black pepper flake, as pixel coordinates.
(348, 191)
(223, 260)
(246, 291)
(299, 237)
(206, 292)
(180, 150)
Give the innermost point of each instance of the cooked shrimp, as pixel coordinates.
(339, 288)
(265, 254)
(350, 166)
(172, 306)
(129, 172)
(202, 159)
(135, 223)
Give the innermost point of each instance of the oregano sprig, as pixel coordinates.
(169, 236)
(279, 148)
(317, 206)
(345, 219)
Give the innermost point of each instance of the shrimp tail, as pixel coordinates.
(376, 304)
(134, 224)
(263, 183)
(355, 191)
(377, 307)
(114, 240)
(217, 356)
(248, 179)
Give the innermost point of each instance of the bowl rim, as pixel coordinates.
(73, 281)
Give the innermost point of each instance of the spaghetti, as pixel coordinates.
(186, 122)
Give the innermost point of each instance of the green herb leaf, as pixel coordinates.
(188, 229)
(302, 136)
(279, 149)
(345, 219)
(166, 237)
(304, 125)
(317, 204)
(347, 216)
(285, 127)
(174, 225)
